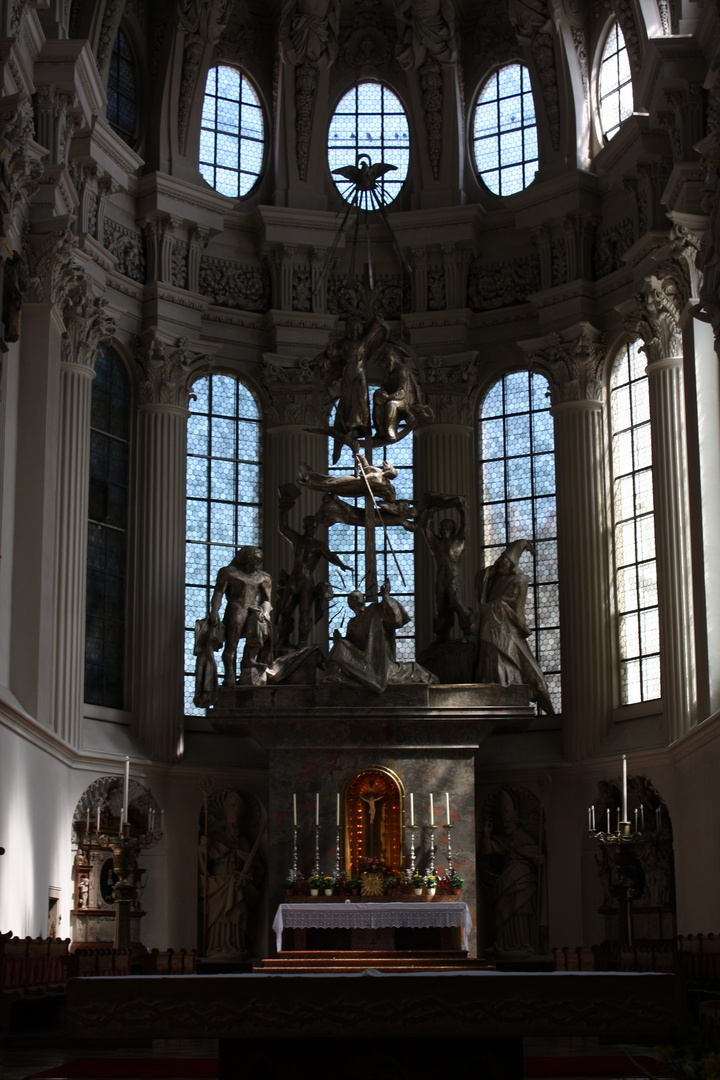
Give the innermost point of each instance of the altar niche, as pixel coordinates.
(374, 804)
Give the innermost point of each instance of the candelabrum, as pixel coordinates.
(626, 842)
(294, 868)
(411, 830)
(316, 868)
(337, 854)
(432, 828)
(449, 853)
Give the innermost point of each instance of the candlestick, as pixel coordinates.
(624, 802)
(432, 849)
(126, 791)
(449, 854)
(87, 822)
(447, 808)
(608, 819)
(337, 846)
(642, 815)
(432, 812)
(593, 817)
(636, 819)
(411, 871)
(316, 869)
(338, 810)
(317, 807)
(589, 820)
(657, 818)
(618, 820)
(294, 867)
(294, 810)
(412, 809)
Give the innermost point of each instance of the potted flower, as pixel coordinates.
(456, 884)
(288, 885)
(417, 882)
(314, 881)
(328, 884)
(354, 884)
(390, 883)
(431, 882)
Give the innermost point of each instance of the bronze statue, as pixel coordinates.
(243, 584)
(447, 546)
(398, 399)
(503, 655)
(348, 360)
(374, 478)
(366, 655)
(297, 590)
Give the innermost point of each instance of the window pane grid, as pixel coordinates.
(370, 120)
(107, 526)
(349, 543)
(232, 135)
(223, 496)
(615, 97)
(634, 532)
(121, 90)
(517, 471)
(505, 131)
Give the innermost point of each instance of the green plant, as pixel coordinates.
(328, 882)
(431, 881)
(456, 882)
(315, 881)
(418, 881)
(288, 884)
(354, 883)
(390, 881)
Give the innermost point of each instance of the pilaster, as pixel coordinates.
(573, 366)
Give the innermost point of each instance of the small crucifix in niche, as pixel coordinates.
(369, 797)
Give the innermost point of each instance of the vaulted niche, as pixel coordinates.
(374, 803)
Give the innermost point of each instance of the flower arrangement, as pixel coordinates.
(456, 882)
(431, 881)
(417, 881)
(376, 866)
(328, 883)
(354, 884)
(315, 881)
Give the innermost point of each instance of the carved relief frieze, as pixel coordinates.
(392, 296)
(496, 285)
(559, 262)
(436, 292)
(367, 42)
(580, 43)
(165, 369)
(449, 388)
(57, 117)
(306, 76)
(432, 99)
(179, 264)
(571, 362)
(610, 245)
(17, 10)
(301, 289)
(127, 247)
(203, 22)
(20, 172)
(230, 284)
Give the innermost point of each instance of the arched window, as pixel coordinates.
(223, 495)
(370, 120)
(615, 93)
(348, 542)
(107, 532)
(636, 595)
(232, 133)
(121, 90)
(517, 475)
(505, 138)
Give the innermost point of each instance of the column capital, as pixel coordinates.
(295, 392)
(449, 388)
(166, 368)
(654, 314)
(571, 361)
(87, 324)
(52, 273)
(23, 171)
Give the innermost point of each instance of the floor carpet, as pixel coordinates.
(594, 1067)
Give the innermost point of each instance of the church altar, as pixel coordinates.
(372, 916)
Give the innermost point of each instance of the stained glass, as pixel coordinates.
(634, 529)
(517, 469)
(223, 494)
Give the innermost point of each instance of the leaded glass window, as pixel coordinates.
(349, 543)
(636, 594)
(517, 471)
(232, 133)
(107, 532)
(615, 93)
(121, 90)
(370, 120)
(223, 495)
(505, 131)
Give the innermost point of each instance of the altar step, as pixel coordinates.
(397, 960)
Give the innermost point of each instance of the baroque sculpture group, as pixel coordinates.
(495, 630)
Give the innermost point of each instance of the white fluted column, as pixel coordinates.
(672, 541)
(70, 579)
(445, 461)
(158, 704)
(583, 575)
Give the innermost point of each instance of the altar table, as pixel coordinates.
(372, 916)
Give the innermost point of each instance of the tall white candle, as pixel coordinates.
(87, 822)
(432, 810)
(625, 813)
(317, 807)
(338, 809)
(412, 808)
(447, 807)
(162, 818)
(589, 819)
(97, 822)
(126, 790)
(294, 808)
(593, 817)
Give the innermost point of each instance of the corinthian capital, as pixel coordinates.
(87, 324)
(165, 369)
(51, 270)
(572, 363)
(654, 314)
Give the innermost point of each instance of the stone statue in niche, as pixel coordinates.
(512, 857)
(447, 545)
(230, 876)
(247, 590)
(366, 655)
(502, 653)
(398, 400)
(426, 28)
(309, 32)
(297, 590)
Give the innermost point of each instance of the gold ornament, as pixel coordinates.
(372, 885)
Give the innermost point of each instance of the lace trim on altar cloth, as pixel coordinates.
(371, 917)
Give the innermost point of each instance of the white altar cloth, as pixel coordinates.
(372, 916)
